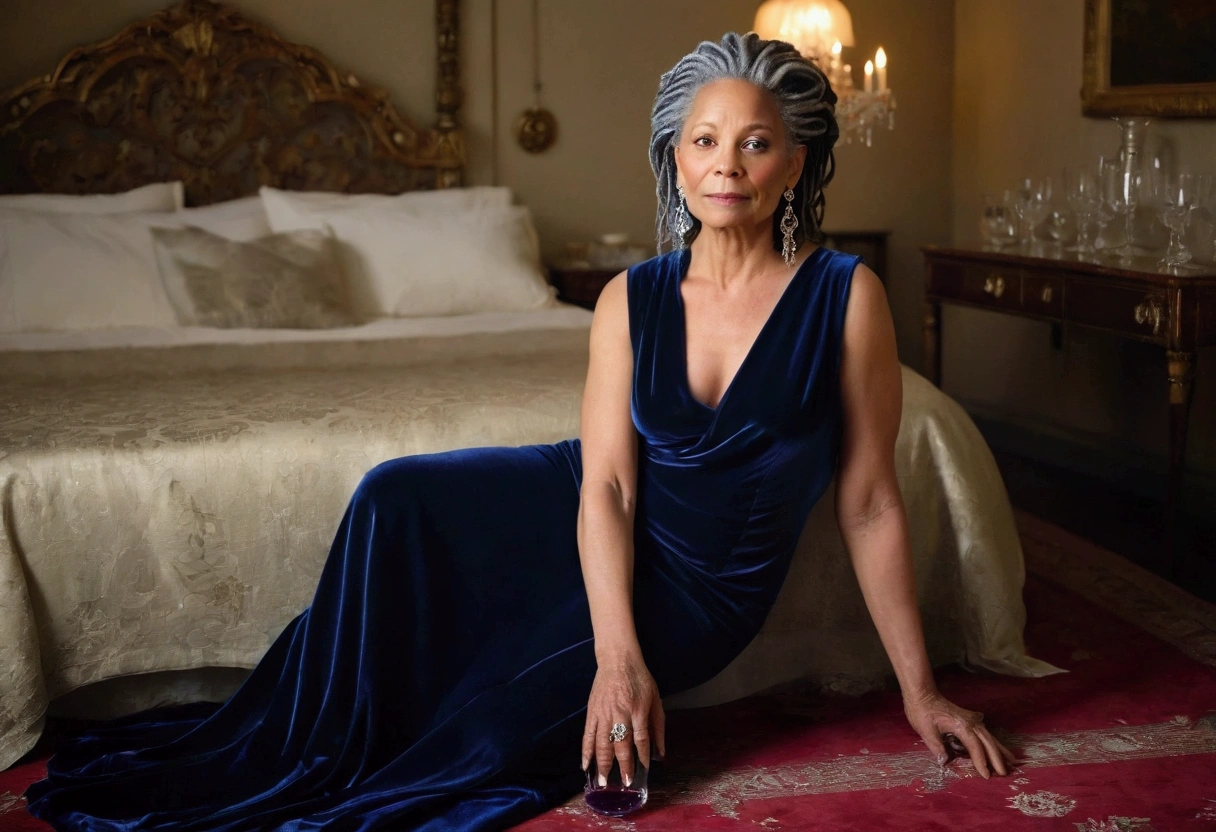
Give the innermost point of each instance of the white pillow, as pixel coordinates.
(397, 262)
(241, 219)
(159, 196)
(78, 271)
(420, 202)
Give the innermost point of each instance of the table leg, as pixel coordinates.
(1181, 381)
(931, 344)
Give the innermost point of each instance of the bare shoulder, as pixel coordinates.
(615, 292)
(867, 305)
(612, 307)
(868, 341)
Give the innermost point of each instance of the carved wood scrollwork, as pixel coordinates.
(200, 93)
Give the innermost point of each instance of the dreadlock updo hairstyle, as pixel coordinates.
(808, 111)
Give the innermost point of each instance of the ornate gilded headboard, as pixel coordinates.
(198, 92)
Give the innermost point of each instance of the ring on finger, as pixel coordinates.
(618, 732)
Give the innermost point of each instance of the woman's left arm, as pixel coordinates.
(874, 525)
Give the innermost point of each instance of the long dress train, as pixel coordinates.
(439, 678)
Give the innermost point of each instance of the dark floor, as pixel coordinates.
(1127, 524)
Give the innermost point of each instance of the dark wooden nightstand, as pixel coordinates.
(580, 286)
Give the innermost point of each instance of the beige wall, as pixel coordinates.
(601, 61)
(1017, 112)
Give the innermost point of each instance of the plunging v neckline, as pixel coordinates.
(686, 260)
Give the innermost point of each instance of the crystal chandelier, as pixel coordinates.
(820, 29)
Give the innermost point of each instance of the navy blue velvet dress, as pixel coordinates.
(439, 679)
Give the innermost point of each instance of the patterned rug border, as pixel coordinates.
(1119, 586)
(726, 791)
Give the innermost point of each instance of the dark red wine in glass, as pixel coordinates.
(615, 802)
(616, 799)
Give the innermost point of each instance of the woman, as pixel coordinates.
(440, 677)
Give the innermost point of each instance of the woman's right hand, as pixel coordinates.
(623, 691)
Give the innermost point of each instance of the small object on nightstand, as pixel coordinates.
(580, 285)
(612, 251)
(578, 255)
(588, 267)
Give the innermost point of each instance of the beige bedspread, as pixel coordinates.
(171, 509)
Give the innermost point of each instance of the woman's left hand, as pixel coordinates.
(933, 715)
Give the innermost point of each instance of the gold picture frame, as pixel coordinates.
(1151, 96)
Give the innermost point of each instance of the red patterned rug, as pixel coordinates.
(1125, 741)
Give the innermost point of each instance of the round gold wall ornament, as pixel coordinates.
(536, 128)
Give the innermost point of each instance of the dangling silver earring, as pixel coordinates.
(788, 223)
(683, 218)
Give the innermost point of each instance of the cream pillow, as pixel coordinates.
(236, 219)
(159, 196)
(417, 202)
(78, 271)
(290, 280)
(480, 259)
(70, 271)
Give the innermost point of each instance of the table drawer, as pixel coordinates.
(944, 280)
(997, 287)
(1138, 312)
(1043, 295)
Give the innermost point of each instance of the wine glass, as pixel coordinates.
(998, 225)
(1033, 203)
(614, 797)
(1121, 190)
(1206, 198)
(1084, 198)
(1175, 197)
(1103, 214)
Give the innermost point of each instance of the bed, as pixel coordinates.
(169, 492)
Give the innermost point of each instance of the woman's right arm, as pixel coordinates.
(624, 690)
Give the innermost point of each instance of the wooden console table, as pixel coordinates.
(1177, 312)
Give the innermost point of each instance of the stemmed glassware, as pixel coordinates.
(1085, 199)
(1104, 214)
(1121, 191)
(1033, 204)
(998, 225)
(1205, 184)
(1175, 196)
(1035, 215)
(1057, 218)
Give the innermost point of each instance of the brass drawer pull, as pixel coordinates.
(1046, 294)
(994, 285)
(1149, 310)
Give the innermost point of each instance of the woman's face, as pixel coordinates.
(731, 158)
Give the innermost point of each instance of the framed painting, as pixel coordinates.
(1150, 58)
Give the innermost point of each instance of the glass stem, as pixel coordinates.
(1175, 248)
(1083, 221)
(1127, 242)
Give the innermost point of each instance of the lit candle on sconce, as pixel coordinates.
(821, 31)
